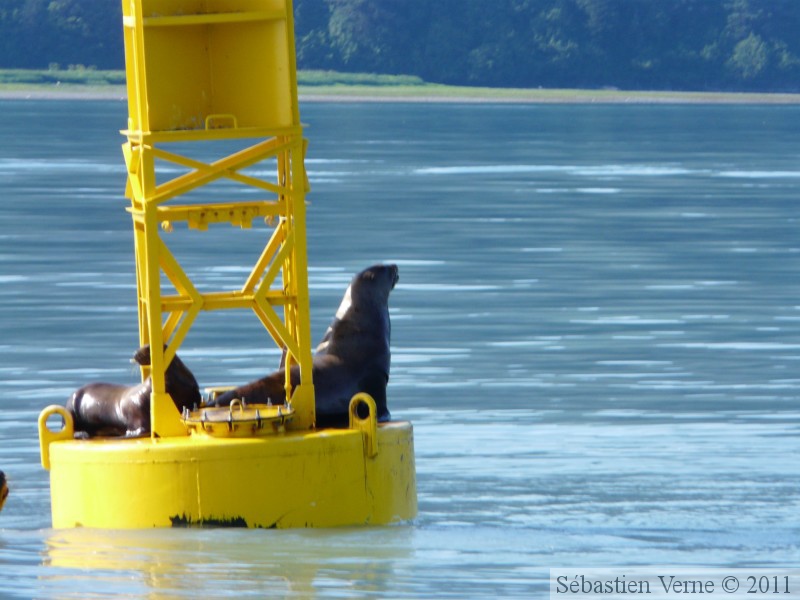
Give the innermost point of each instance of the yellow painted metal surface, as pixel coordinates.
(202, 70)
(199, 71)
(193, 60)
(292, 479)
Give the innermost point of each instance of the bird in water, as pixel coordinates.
(3, 489)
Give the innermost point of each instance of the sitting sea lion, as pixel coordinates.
(3, 489)
(111, 409)
(352, 357)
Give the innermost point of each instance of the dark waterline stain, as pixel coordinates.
(184, 521)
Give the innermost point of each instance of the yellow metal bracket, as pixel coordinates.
(362, 404)
(238, 214)
(218, 121)
(48, 436)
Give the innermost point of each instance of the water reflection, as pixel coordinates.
(225, 563)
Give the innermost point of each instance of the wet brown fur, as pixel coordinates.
(3, 489)
(352, 357)
(110, 409)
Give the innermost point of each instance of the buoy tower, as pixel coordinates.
(203, 71)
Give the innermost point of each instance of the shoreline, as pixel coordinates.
(443, 95)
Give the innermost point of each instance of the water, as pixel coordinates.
(595, 335)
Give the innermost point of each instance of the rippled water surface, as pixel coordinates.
(595, 335)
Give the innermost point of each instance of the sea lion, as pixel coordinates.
(3, 489)
(352, 357)
(111, 409)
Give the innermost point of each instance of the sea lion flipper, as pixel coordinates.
(138, 432)
(223, 399)
(269, 389)
(374, 384)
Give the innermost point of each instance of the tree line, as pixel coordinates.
(745, 45)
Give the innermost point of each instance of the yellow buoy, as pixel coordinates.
(361, 475)
(198, 72)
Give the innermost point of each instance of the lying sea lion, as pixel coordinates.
(352, 357)
(110, 409)
(3, 489)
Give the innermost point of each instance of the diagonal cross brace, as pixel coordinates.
(226, 167)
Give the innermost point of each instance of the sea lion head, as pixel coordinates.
(371, 287)
(142, 356)
(364, 307)
(179, 381)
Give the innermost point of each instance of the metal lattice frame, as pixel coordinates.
(165, 318)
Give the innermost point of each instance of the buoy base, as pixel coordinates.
(324, 478)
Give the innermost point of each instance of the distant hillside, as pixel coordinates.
(732, 45)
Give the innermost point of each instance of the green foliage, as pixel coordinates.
(647, 44)
(318, 77)
(73, 75)
(35, 33)
(750, 57)
(676, 44)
